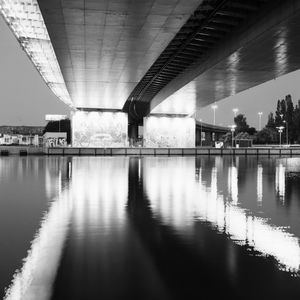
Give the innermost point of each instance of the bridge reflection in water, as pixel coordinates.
(165, 228)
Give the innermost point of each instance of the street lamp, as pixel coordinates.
(235, 111)
(280, 130)
(232, 129)
(201, 132)
(287, 131)
(259, 123)
(214, 107)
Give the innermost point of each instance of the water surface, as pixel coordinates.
(149, 227)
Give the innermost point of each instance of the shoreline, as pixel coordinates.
(127, 151)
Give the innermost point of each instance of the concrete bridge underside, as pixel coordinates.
(105, 47)
(265, 47)
(113, 53)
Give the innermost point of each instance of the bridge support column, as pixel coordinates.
(133, 132)
(101, 128)
(198, 137)
(169, 131)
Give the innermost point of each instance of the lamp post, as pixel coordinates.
(232, 129)
(287, 131)
(259, 120)
(280, 130)
(201, 132)
(214, 107)
(235, 111)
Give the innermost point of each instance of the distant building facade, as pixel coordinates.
(31, 136)
(20, 139)
(21, 135)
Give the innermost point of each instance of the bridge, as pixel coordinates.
(121, 64)
(206, 134)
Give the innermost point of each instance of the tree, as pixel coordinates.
(289, 119)
(267, 136)
(241, 123)
(296, 122)
(251, 130)
(289, 108)
(226, 138)
(271, 121)
(278, 113)
(283, 107)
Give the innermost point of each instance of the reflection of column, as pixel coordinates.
(169, 185)
(90, 202)
(259, 184)
(96, 203)
(214, 182)
(233, 183)
(100, 230)
(280, 181)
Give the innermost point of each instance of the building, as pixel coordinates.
(20, 139)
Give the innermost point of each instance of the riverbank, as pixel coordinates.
(19, 150)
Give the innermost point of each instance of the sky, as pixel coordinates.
(25, 98)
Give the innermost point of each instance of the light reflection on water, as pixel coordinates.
(178, 199)
(36, 277)
(110, 214)
(280, 180)
(259, 188)
(89, 200)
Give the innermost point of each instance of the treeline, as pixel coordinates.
(24, 130)
(287, 116)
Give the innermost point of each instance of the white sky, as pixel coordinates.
(25, 98)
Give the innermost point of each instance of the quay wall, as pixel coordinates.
(291, 151)
(23, 150)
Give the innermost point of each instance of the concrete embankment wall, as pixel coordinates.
(172, 151)
(19, 150)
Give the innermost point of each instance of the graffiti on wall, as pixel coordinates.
(169, 132)
(56, 142)
(99, 129)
